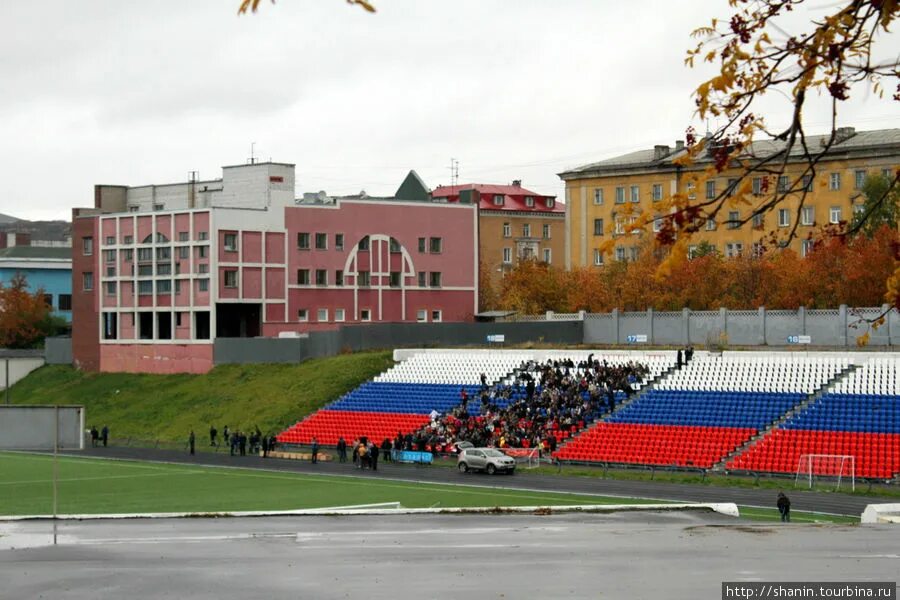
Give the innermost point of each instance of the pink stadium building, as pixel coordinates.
(160, 271)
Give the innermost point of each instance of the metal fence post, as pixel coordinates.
(650, 324)
(762, 325)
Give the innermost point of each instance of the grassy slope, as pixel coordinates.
(165, 407)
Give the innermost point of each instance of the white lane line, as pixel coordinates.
(69, 479)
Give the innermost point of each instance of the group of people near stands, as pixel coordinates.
(545, 402)
(240, 442)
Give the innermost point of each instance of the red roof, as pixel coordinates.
(513, 197)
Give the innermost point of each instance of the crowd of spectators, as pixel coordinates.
(544, 403)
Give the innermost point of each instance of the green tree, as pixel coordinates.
(881, 207)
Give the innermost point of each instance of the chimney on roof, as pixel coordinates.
(679, 145)
(517, 183)
(660, 152)
(842, 134)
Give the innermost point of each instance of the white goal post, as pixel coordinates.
(527, 458)
(837, 466)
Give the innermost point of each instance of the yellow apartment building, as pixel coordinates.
(604, 198)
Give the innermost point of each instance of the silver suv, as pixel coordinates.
(490, 460)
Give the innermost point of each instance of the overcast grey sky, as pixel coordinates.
(128, 92)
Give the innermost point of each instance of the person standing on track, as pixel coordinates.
(315, 450)
(104, 435)
(191, 440)
(784, 507)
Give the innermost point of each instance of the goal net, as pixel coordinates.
(840, 468)
(526, 458)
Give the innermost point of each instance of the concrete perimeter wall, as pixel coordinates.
(31, 427)
(839, 327)
(19, 367)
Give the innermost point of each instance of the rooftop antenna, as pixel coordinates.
(193, 178)
(454, 172)
(252, 157)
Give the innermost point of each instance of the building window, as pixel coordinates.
(231, 279)
(529, 201)
(807, 215)
(834, 215)
(710, 189)
(620, 226)
(784, 183)
(110, 240)
(711, 223)
(183, 252)
(550, 202)
(364, 244)
(507, 230)
(339, 315)
(110, 288)
(394, 280)
(635, 193)
(394, 246)
(598, 257)
(230, 242)
(620, 253)
(303, 241)
(65, 302)
(757, 186)
(303, 315)
(758, 221)
(322, 315)
(526, 230)
(178, 291)
(163, 253)
(87, 281)
(546, 231)
(127, 255)
(806, 246)
(733, 249)
(834, 181)
(422, 316)
(436, 245)
(133, 208)
(859, 179)
(365, 280)
(302, 276)
(657, 223)
(365, 315)
(321, 241)
(87, 246)
(731, 186)
(422, 244)
(656, 192)
(598, 196)
(807, 183)
(527, 253)
(129, 239)
(858, 209)
(145, 288)
(547, 255)
(598, 226)
(202, 251)
(734, 219)
(784, 217)
(507, 257)
(110, 256)
(435, 279)
(163, 269)
(498, 199)
(757, 249)
(339, 241)
(422, 277)
(620, 195)
(203, 236)
(158, 207)
(145, 270)
(339, 277)
(203, 285)
(321, 277)
(202, 269)
(183, 237)
(165, 286)
(435, 316)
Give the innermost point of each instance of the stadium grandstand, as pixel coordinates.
(737, 411)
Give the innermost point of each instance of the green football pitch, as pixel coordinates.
(92, 486)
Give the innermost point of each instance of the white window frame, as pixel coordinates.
(831, 214)
(87, 246)
(598, 231)
(657, 223)
(598, 257)
(340, 315)
(620, 194)
(526, 230)
(230, 245)
(656, 192)
(598, 196)
(545, 231)
(365, 315)
(498, 200)
(203, 285)
(437, 316)
(859, 178)
(808, 215)
(710, 189)
(319, 313)
(507, 230)
(507, 256)
(635, 194)
(784, 217)
(834, 181)
(550, 202)
(806, 247)
(734, 216)
(303, 315)
(421, 316)
(529, 201)
(225, 274)
(548, 255)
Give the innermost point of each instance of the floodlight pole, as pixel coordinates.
(55, 463)
(7, 380)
